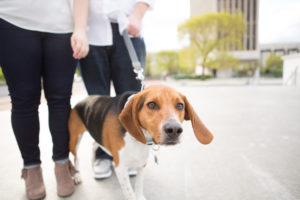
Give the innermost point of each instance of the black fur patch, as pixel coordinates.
(95, 108)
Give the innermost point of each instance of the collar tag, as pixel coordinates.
(156, 159)
(155, 149)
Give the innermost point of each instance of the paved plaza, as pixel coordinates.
(255, 154)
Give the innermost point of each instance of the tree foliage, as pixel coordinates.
(149, 64)
(167, 61)
(213, 32)
(187, 60)
(273, 66)
(246, 68)
(222, 60)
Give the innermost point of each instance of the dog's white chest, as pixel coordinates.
(134, 153)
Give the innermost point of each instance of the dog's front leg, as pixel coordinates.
(76, 177)
(123, 177)
(139, 184)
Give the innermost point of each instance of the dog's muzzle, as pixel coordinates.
(172, 131)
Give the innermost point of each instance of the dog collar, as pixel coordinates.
(149, 139)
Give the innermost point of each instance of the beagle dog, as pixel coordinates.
(123, 126)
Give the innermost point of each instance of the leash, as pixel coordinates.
(138, 69)
(136, 64)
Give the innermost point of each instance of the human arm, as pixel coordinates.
(136, 17)
(79, 41)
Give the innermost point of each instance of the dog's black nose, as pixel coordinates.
(172, 129)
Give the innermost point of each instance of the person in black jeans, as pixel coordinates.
(43, 60)
(31, 60)
(108, 60)
(101, 66)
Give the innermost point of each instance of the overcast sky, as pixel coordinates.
(279, 21)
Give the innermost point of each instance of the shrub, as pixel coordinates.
(273, 65)
(197, 77)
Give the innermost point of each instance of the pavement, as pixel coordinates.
(255, 153)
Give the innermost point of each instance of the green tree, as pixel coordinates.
(187, 61)
(223, 60)
(246, 68)
(167, 61)
(149, 64)
(273, 66)
(213, 32)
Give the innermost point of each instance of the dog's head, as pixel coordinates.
(160, 110)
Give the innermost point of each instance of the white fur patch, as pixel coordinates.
(134, 153)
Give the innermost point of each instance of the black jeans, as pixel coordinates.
(31, 60)
(104, 64)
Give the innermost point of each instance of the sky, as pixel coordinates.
(279, 22)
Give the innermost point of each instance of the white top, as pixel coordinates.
(54, 16)
(103, 12)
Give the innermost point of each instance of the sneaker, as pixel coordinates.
(102, 168)
(132, 171)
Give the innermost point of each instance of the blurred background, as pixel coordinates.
(238, 63)
(260, 40)
(266, 47)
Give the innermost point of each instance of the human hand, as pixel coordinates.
(79, 43)
(134, 26)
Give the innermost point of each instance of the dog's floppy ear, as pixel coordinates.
(203, 135)
(130, 121)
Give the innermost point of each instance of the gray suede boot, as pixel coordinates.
(34, 183)
(64, 180)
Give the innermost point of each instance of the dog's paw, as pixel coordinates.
(77, 178)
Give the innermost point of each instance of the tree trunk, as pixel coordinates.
(203, 66)
(203, 73)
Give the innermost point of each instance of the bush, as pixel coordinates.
(197, 77)
(274, 65)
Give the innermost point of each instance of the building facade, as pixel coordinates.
(249, 53)
(249, 9)
(280, 49)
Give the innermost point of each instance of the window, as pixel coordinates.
(219, 6)
(248, 10)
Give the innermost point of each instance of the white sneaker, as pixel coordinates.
(102, 168)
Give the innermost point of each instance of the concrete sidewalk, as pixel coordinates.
(255, 154)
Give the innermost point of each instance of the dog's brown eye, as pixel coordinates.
(179, 106)
(152, 105)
